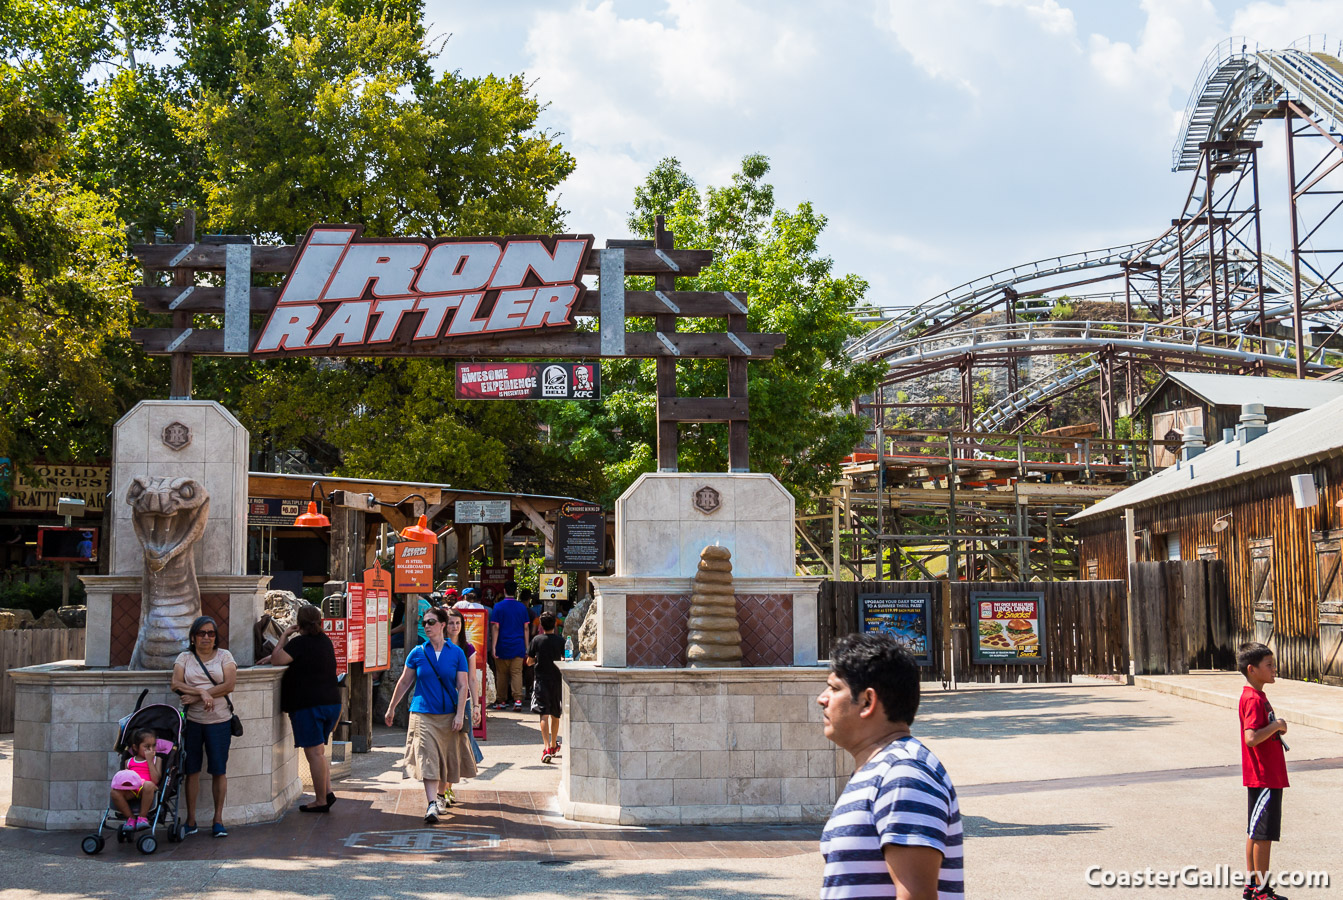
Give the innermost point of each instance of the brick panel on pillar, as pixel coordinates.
(766, 622)
(655, 629)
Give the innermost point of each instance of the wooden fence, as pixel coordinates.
(1183, 614)
(1085, 626)
(31, 647)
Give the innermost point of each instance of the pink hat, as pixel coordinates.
(126, 780)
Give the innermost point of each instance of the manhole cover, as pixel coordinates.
(423, 840)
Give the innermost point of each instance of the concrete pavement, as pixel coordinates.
(1053, 780)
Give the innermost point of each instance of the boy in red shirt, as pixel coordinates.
(1263, 765)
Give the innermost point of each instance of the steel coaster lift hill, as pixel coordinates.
(989, 500)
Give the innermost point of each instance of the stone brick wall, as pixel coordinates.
(697, 746)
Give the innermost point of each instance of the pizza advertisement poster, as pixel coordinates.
(1007, 628)
(906, 617)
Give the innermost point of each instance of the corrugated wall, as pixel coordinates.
(1260, 508)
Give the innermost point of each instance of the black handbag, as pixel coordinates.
(234, 723)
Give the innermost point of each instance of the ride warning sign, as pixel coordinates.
(528, 381)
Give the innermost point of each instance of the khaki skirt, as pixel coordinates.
(434, 752)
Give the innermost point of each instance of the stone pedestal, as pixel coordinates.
(65, 724)
(696, 746)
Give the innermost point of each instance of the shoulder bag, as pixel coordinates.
(235, 723)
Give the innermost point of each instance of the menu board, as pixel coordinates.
(1008, 628)
(477, 621)
(414, 567)
(906, 617)
(580, 537)
(354, 598)
(377, 620)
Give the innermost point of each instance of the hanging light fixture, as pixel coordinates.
(1222, 523)
(420, 532)
(312, 518)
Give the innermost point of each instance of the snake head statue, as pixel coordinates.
(169, 515)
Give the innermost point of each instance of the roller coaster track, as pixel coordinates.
(1144, 339)
(1238, 87)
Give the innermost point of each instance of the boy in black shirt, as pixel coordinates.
(548, 697)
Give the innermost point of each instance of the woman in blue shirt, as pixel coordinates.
(437, 747)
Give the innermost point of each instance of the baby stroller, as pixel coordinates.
(166, 722)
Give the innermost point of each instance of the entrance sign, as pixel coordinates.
(554, 587)
(381, 296)
(528, 381)
(1008, 628)
(414, 568)
(580, 537)
(905, 617)
(482, 512)
(377, 620)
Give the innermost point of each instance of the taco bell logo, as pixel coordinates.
(554, 382)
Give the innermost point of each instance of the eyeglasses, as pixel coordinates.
(208, 634)
(428, 622)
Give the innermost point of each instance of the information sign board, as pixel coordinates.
(354, 599)
(414, 567)
(482, 512)
(377, 620)
(580, 537)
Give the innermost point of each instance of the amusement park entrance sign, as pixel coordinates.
(385, 296)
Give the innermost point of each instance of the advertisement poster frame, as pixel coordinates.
(529, 381)
(977, 652)
(414, 570)
(869, 619)
(477, 622)
(377, 620)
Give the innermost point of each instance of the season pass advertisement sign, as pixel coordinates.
(528, 381)
(1009, 628)
(903, 616)
(351, 295)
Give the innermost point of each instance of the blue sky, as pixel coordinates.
(943, 140)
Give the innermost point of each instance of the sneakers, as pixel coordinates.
(500, 706)
(452, 798)
(190, 829)
(547, 755)
(219, 830)
(1255, 892)
(139, 822)
(517, 706)
(431, 814)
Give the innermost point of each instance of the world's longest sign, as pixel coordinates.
(349, 293)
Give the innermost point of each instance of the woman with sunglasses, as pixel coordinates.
(437, 748)
(204, 674)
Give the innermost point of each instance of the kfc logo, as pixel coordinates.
(345, 291)
(583, 387)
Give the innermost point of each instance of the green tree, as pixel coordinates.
(64, 293)
(800, 427)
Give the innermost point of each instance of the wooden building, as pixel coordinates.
(1213, 401)
(1281, 552)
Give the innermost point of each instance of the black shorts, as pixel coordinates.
(548, 698)
(1265, 816)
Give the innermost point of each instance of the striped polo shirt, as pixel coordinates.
(902, 796)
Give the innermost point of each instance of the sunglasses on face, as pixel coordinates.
(428, 622)
(208, 634)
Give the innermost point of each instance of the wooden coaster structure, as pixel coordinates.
(229, 264)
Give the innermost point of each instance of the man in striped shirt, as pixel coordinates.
(896, 830)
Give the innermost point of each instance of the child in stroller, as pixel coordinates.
(140, 779)
(149, 742)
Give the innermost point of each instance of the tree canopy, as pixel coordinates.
(800, 425)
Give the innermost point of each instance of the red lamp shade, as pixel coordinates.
(420, 532)
(312, 518)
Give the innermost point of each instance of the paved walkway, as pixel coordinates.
(1299, 702)
(1053, 780)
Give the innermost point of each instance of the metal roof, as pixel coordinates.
(1290, 443)
(1235, 390)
